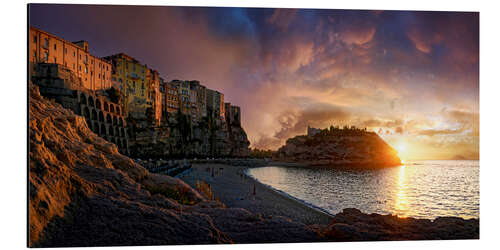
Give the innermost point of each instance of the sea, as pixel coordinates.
(418, 189)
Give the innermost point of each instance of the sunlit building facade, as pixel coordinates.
(130, 75)
(94, 72)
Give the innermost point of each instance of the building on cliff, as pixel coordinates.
(312, 131)
(233, 114)
(103, 116)
(171, 98)
(140, 85)
(95, 73)
(154, 94)
(215, 102)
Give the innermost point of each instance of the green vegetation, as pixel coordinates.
(261, 153)
(176, 194)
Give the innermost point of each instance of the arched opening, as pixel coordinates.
(118, 110)
(103, 129)
(101, 116)
(111, 108)
(91, 101)
(106, 108)
(115, 120)
(86, 113)
(117, 131)
(83, 99)
(96, 128)
(121, 121)
(94, 115)
(122, 133)
(111, 132)
(108, 119)
(98, 103)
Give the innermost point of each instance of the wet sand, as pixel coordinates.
(235, 189)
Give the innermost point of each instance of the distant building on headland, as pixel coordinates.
(312, 131)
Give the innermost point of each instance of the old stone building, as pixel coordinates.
(171, 98)
(94, 72)
(233, 114)
(215, 101)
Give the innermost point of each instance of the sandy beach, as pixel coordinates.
(235, 189)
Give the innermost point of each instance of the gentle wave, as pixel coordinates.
(425, 189)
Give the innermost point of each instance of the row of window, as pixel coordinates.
(46, 56)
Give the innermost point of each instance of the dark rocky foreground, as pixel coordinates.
(82, 192)
(353, 225)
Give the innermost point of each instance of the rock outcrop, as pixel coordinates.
(178, 137)
(353, 225)
(83, 192)
(340, 147)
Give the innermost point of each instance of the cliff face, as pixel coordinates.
(180, 138)
(339, 147)
(82, 192)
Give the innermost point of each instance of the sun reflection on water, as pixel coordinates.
(401, 196)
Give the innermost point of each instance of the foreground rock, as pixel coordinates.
(353, 225)
(340, 147)
(82, 192)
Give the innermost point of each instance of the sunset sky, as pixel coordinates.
(412, 77)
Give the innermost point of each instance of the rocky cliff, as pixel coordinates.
(83, 192)
(179, 137)
(343, 147)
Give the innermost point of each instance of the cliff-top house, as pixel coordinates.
(94, 72)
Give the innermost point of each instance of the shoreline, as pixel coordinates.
(234, 187)
(289, 196)
(245, 165)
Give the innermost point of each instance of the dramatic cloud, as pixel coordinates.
(410, 76)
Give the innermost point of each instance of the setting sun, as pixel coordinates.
(401, 148)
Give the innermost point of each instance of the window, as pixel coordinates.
(86, 70)
(65, 51)
(55, 59)
(34, 39)
(45, 56)
(55, 47)
(74, 53)
(98, 76)
(46, 43)
(73, 66)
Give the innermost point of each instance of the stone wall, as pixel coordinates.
(103, 117)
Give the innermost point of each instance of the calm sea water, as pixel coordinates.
(420, 189)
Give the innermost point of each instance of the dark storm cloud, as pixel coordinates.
(376, 61)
